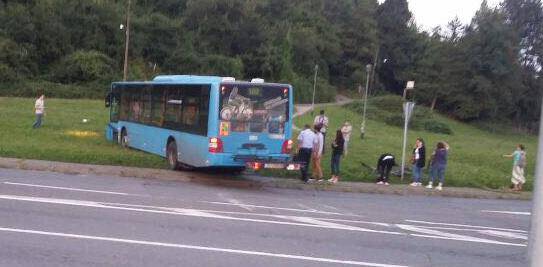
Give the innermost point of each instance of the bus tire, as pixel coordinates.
(124, 139)
(171, 155)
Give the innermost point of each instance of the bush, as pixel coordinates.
(439, 127)
(83, 66)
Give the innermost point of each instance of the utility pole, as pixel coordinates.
(535, 247)
(363, 127)
(126, 42)
(314, 87)
(407, 111)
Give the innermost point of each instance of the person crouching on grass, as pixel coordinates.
(384, 165)
(338, 147)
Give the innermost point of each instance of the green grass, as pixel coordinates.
(475, 157)
(63, 136)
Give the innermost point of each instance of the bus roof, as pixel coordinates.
(194, 79)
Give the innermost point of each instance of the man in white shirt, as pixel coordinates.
(317, 154)
(39, 110)
(306, 142)
(322, 121)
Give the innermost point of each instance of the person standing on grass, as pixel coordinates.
(337, 151)
(419, 161)
(519, 162)
(346, 130)
(318, 148)
(39, 110)
(322, 121)
(306, 141)
(384, 165)
(438, 164)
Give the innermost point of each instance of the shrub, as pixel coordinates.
(83, 66)
(437, 127)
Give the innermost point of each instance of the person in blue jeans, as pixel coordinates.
(438, 165)
(337, 151)
(419, 161)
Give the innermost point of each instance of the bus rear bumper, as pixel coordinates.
(233, 160)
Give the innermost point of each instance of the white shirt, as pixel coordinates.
(306, 139)
(319, 143)
(321, 119)
(39, 106)
(417, 155)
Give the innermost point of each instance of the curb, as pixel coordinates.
(255, 182)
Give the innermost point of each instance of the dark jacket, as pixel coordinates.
(421, 162)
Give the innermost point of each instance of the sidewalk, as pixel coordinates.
(255, 182)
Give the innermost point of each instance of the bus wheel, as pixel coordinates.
(124, 139)
(171, 154)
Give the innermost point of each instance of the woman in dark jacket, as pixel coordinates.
(337, 152)
(438, 165)
(419, 161)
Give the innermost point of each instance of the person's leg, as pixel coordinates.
(415, 174)
(514, 178)
(37, 124)
(318, 167)
(387, 173)
(305, 157)
(323, 142)
(334, 165)
(442, 174)
(433, 173)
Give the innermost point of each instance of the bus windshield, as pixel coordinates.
(256, 108)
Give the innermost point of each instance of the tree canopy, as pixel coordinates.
(489, 69)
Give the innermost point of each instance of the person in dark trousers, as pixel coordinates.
(419, 161)
(438, 164)
(384, 165)
(337, 151)
(306, 142)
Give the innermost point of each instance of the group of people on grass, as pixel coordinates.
(311, 147)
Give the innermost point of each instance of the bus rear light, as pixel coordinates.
(287, 147)
(215, 145)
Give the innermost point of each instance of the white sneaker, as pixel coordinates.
(439, 187)
(429, 186)
(380, 182)
(414, 184)
(419, 184)
(387, 183)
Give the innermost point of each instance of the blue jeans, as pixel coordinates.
(417, 173)
(438, 171)
(37, 124)
(335, 164)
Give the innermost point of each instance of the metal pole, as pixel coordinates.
(126, 42)
(406, 109)
(314, 87)
(535, 248)
(368, 69)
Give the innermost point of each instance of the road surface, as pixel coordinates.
(51, 219)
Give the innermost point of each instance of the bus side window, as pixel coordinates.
(157, 106)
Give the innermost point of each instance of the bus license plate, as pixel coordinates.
(274, 166)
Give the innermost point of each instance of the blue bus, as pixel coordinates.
(204, 121)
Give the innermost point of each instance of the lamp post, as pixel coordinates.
(407, 111)
(363, 127)
(535, 242)
(126, 42)
(314, 87)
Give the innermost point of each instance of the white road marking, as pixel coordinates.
(467, 225)
(276, 208)
(179, 211)
(508, 212)
(70, 189)
(203, 248)
(504, 234)
(234, 201)
(302, 221)
(442, 235)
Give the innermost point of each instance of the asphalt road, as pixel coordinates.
(51, 219)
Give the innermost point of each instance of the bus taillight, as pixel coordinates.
(287, 147)
(215, 145)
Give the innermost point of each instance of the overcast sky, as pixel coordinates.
(432, 13)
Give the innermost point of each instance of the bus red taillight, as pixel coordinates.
(287, 147)
(215, 145)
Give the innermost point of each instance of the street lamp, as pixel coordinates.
(314, 87)
(363, 127)
(126, 41)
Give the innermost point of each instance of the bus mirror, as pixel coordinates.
(108, 100)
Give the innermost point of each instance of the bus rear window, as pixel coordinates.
(253, 108)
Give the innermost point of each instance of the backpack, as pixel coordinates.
(522, 161)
